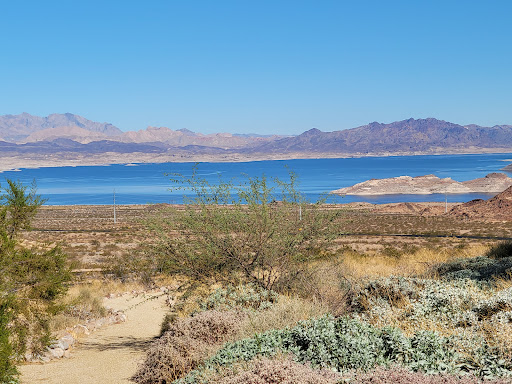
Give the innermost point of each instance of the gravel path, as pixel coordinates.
(109, 355)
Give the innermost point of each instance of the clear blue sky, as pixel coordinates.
(263, 66)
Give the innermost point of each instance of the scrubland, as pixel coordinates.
(394, 298)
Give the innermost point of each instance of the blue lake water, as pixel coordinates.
(147, 183)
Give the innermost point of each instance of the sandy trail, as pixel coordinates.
(109, 355)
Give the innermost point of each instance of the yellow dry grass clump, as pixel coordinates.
(359, 266)
(286, 312)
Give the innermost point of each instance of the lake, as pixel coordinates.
(148, 183)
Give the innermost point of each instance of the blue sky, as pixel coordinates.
(257, 66)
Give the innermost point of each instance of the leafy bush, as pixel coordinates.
(31, 280)
(7, 370)
(477, 318)
(344, 344)
(245, 232)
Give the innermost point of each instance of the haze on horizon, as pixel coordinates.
(262, 67)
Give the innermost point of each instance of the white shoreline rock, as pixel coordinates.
(426, 185)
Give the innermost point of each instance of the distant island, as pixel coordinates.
(68, 139)
(429, 184)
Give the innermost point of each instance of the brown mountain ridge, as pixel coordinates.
(498, 207)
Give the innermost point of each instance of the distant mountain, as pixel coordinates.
(79, 135)
(72, 133)
(16, 128)
(185, 137)
(71, 146)
(402, 136)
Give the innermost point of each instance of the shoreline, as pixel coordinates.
(59, 160)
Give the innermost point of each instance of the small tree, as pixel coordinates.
(30, 280)
(249, 231)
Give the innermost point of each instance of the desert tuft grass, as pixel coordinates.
(418, 262)
(286, 312)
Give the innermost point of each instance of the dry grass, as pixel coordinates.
(286, 312)
(504, 282)
(358, 266)
(86, 301)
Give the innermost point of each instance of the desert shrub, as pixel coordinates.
(418, 299)
(31, 280)
(341, 344)
(140, 265)
(186, 344)
(346, 344)
(247, 231)
(394, 291)
(500, 302)
(400, 375)
(416, 303)
(476, 318)
(481, 268)
(500, 250)
(277, 371)
(7, 370)
(240, 297)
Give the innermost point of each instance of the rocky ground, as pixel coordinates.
(497, 208)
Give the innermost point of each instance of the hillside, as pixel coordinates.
(185, 137)
(25, 128)
(497, 208)
(14, 128)
(410, 135)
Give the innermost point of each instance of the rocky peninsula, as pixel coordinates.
(428, 184)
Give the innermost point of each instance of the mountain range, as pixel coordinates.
(25, 133)
(25, 128)
(421, 135)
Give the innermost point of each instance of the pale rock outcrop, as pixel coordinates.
(429, 184)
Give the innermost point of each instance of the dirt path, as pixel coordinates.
(109, 355)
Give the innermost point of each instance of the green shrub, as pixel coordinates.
(341, 344)
(244, 231)
(8, 371)
(31, 280)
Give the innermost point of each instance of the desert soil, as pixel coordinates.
(111, 354)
